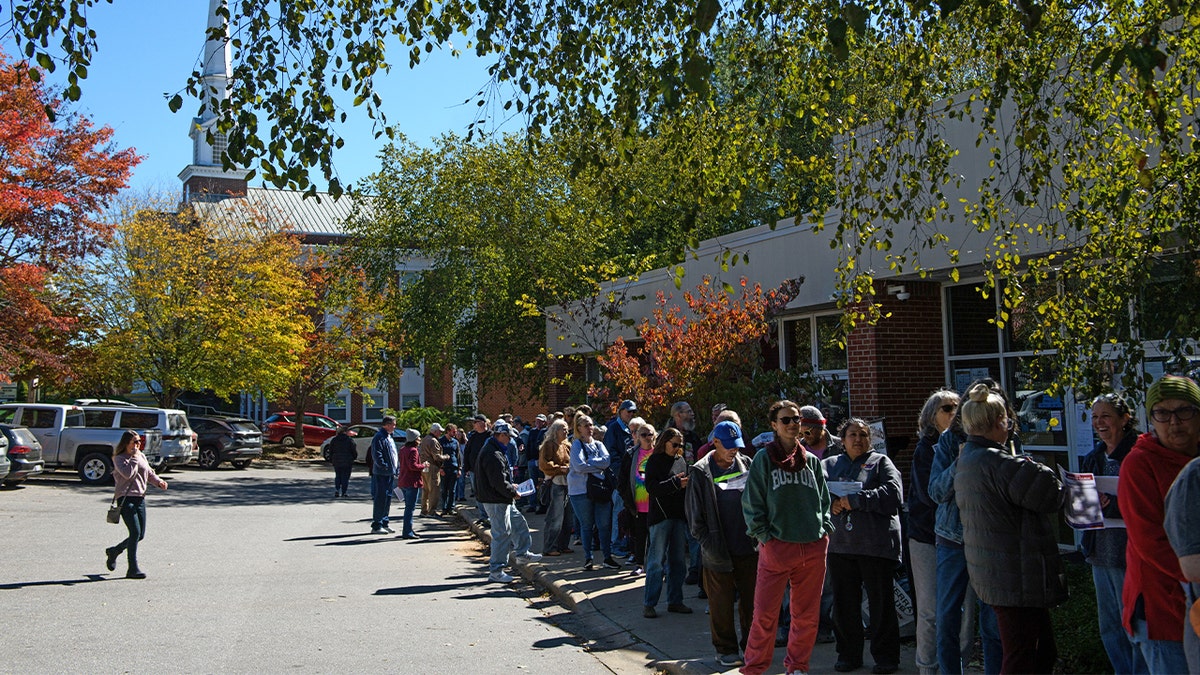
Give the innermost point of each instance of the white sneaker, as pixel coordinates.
(501, 577)
(528, 557)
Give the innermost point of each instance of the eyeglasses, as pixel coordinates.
(675, 444)
(788, 420)
(949, 407)
(646, 435)
(1183, 414)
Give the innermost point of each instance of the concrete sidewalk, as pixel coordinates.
(610, 603)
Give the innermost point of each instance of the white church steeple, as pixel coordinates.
(205, 179)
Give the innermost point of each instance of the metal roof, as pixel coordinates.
(268, 210)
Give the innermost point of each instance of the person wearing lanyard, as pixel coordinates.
(715, 519)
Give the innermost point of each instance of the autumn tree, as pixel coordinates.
(348, 345)
(178, 308)
(55, 180)
(709, 348)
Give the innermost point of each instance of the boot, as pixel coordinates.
(135, 573)
(110, 557)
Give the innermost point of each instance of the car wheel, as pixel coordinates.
(241, 463)
(95, 468)
(210, 457)
(288, 441)
(325, 454)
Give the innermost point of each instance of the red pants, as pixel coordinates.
(780, 562)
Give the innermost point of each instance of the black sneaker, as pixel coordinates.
(588, 566)
(611, 564)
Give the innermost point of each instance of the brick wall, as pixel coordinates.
(896, 364)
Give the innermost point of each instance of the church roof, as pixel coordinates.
(269, 210)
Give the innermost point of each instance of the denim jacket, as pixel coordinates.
(947, 523)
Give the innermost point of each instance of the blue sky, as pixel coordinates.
(149, 47)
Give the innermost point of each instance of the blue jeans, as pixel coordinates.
(1122, 653)
(668, 540)
(1159, 656)
(593, 515)
(617, 505)
(510, 533)
(133, 514)
(449, 486)
(952, 587)
(381, 492)
(410, 504)
(556, 530)
(341, 479)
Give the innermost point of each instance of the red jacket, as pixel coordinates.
(411, 467)
(1151, 568)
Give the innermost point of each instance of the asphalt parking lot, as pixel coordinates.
(259, 570)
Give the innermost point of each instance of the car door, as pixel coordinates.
(317, 429)
(362, 440)
(45, 424)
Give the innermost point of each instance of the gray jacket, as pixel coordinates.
(703, 518)
(872, 526)
(1008, 506)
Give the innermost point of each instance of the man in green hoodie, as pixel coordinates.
(786, 506)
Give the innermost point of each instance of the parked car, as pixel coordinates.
(281, 428)
(362, 435)
(104, 401)
(177, 444)
(224, 438)
(67, 443)
(24, 453)
(5, 465)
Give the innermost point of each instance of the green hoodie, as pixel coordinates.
(786, 497)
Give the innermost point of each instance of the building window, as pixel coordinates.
(338, 407)
(374, 401)
(812, 342)
(410, 401)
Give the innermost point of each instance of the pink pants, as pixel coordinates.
(778, 563)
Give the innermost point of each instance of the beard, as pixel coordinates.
(687, 424)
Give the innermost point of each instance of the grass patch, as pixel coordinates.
(1076, 628)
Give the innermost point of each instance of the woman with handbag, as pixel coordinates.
(555, 461)
(132, 474)
(590, 491)
(666, 480)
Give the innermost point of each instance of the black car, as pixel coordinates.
(24, 454)
(226, 439)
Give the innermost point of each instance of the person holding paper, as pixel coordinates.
(715, 519)
(1104, 549)
(495, 494)
(666, 480)
(864, 549)
(1009, 506)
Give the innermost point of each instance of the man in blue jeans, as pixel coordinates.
(495, 492)
(384, 461)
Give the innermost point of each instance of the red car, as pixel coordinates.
(281, 428)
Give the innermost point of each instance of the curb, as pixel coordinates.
(567, 595)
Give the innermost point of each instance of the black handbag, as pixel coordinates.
(114, 512)
(600, 486)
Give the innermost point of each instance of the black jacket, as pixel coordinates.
(493, 476)
(666, 489)
(342, 452)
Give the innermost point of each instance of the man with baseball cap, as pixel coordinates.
(495, 493)
(619, 442)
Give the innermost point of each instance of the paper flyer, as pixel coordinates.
(1083, 510)
(842, 488)
(527, 488)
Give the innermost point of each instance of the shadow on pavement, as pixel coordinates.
(87, 579)
(429, 588)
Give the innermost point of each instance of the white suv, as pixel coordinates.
(178, 446)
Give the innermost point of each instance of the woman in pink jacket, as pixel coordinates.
(132, 474)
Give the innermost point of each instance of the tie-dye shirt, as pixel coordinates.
(640, 496)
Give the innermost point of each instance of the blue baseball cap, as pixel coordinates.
(729, 434)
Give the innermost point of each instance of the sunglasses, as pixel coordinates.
(675, 444)
(949, 407)
(646, 435)
(789, 420)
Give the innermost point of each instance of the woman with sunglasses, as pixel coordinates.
(936, 416)
(1153, 602)
(639, 497)
(589, 456)
(666, 480)
(132, 474)
(786, 505)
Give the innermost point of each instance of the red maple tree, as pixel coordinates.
(56, 178)
(693, 355)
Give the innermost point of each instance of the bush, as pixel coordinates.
(421, 417)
